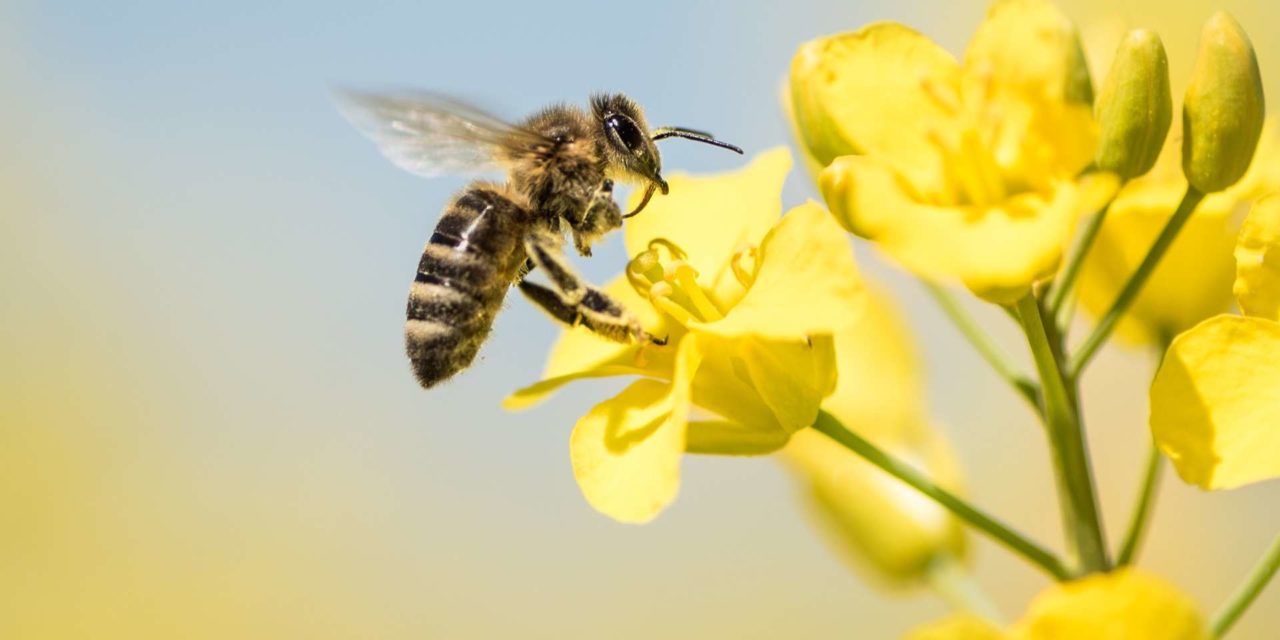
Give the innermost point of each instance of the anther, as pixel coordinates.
(686, 277)
(746, 277)
(674, 249)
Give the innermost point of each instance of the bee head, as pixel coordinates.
(628, 146)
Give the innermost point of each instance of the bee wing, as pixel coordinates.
(429, 135)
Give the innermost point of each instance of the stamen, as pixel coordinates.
(660, 296)
(969, 169)
(745, 277)
(673, 248)
(987, 173)
(644, 270)
(686, 277)
(638, 282)
(943, 96)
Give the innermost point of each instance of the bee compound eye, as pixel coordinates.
(626, 132)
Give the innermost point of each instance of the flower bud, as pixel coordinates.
(879, 524)
(1134, 108)
(1079, 87)
(1223, 112)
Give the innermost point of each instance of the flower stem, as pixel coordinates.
(1142, 509)
(1062, 286)
(832, 428)
(954, 583)
(1248, 592)
(1131, 288)
(1070, 456)
(983, 344)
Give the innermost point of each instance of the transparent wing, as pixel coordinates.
(429, 134)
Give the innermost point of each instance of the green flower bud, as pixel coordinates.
(1135, 107)
(1223, 112)
(1079, 88)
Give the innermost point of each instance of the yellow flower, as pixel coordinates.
(961, 170)
(876, 521)
(1115, 606)
(1193, 280)
(960, 626)
(1214, 406)
(748, 304)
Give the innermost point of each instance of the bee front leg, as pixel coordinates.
(600, 216)
(573, 301)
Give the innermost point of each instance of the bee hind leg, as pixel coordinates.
(573, 301)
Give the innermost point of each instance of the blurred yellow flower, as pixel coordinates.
(1214, 406)
(1123, 605)
(1193, 280)
(748, 304)
(878, 522)
(960, 626)
(957, 170)
(1257, 284)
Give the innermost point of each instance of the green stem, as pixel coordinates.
(1062, 286)
(832, 428)
(1248, 592)
(1142, 508)
(1131, 288)
(954, 583)
(1070, 456)
(983, 344)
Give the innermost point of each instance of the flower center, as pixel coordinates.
(671, 283)
(968, 161)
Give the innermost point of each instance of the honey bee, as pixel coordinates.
(561, 164)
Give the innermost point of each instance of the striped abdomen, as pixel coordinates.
(463, 276)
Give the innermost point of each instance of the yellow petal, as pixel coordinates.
(1257, 255)
(626, 450)
(1192, 281)
(877, 522)
(875, 91)
(768, 388)
(1027, 63)
(959, 626)
(711, 216)
(725, 438)
(998, 251)
(792, 377)
(1214, 406)
(1027, 44)
(526, 397)
(1123, 605)
(807, 282)
(723, 387)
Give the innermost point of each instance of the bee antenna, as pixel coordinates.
(693, 134)
(648, 193)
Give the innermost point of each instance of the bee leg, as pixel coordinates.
(600, 217)
(574, 302)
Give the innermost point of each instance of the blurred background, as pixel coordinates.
(207, 424)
